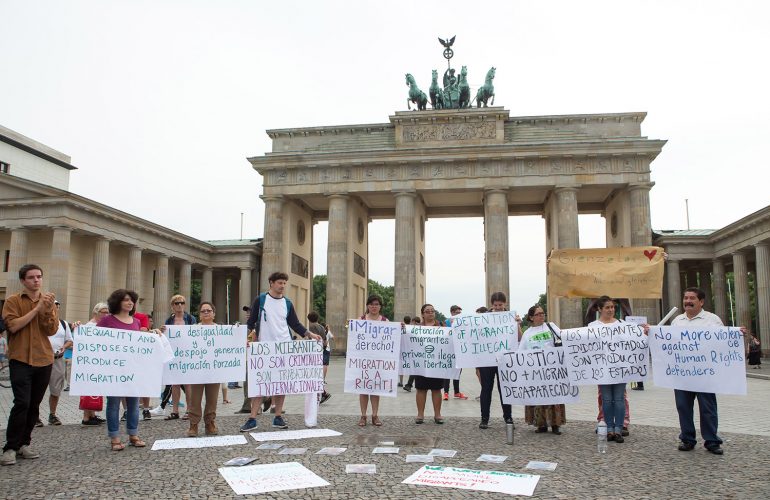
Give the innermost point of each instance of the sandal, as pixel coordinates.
(173, 416)
(186, 416)
(136, 442)
(419, 420)
(362, 421)
(438, 420)
(117, 446)
(376, 421)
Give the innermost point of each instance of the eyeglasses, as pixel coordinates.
(429, 311)
(178, 303)
(206, 311)
(539, 314)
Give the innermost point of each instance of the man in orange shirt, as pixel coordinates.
(31, 318)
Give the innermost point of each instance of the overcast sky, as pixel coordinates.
(160, 102)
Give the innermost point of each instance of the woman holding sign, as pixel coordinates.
(122, 306)
(613, 403)
(373, 308)
(206, 313)
(541, 334)
(424, 384)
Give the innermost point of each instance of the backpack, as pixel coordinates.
(261, 311)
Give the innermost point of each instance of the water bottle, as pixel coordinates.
(601, 437)
(509, 433)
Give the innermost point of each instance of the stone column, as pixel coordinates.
(220, 295)
(272, 243)
(741, 274)
(161, 296)
(496, 241)
(244, 293)
(206, 284)
(337, 268)
(405, 293)
(134, 269)
(570, 310)
(17, 257)
(673, 285)
(641, 236)
(763, 294)
(100, 270)
(720, 290)
(692, 277)
(58, 275)
(705, 284)
(185, 280)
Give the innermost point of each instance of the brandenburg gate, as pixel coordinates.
(462, 162)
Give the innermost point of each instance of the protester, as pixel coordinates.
(373, 307)
(454, 311)
(317, 328)
(407, 320)
(100, 310)
(538, 336)
(425, 384)
(275, 315)
(206, 313)
(414, 320)
(122, 305)
(30, 317)
(695, 316)
(488, 374)
(60, 342)
(144, 403)
(755, 352)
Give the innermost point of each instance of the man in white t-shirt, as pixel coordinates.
(60, 342)
(695, 316)
(271, 316)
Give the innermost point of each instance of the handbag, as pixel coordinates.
(93, 403)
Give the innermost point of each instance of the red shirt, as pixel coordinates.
(144, 320)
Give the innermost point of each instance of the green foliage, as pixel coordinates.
(387, 293)
(319, 297)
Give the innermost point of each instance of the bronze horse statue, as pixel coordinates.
(416, 95)
(436, 95)
(465, 89)
(487, 90)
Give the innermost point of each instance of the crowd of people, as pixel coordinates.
(38, 342)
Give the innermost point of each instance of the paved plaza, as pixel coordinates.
(77, 462)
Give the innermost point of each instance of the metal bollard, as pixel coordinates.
(509, 433)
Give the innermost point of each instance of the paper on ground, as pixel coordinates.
(419, 458)
(270, 446)
(533, 464)
(202, 442)
(438, 452)
(495, 459)
(360, 469)
(480, 480)
(293, 451)
(253, 479)
(385, 449)
(331, 451)
(287, 435)
(239, 461)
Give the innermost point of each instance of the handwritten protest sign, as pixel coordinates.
(480, 338)
(371, 366)
(428, 351)
(286, 367)
(254, 479)
(634, 272)
(206, 354)
(701, 359)
(201, 442)
(536, 377)
(480, 480)
(607, 354)
(113, 362)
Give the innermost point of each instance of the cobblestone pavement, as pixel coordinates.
(77, 462)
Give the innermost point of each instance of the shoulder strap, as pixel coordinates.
(557, 342)
(261, 311)
(289, 306)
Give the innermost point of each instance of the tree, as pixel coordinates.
(386, 292)
(319, 296)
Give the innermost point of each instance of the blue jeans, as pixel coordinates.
(113, 416)
(613, 406)
(709, 420)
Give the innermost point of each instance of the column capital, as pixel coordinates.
(405, 192)
(741, 252)
(338, 196)
(566, 188)
(272, 197)
(62, 228)
(762, 244)
(17, 228)
(245, 268)
(640, 185)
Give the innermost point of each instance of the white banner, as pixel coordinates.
(480, 338)
(428, 351)
(607, 354)
(371, 365)
(255, 479)
(536, 377)
(112, 362)
(286, 367)
(509, 483)
(699, 359)
(206, 354)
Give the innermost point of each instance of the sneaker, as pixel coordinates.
(146, 414)
(53, 420)
(66, 389)
(325, 397)
(460, 395)
(8, 457)
(484, 424)
(98, 419)
(39, 423)
(250, 425)
(89, 423)
(446, 397)
(279, 423)
(158, 411)
(509, 420)
(27, 452)
(408, 388)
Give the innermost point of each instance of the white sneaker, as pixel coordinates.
(27, 452)
(8, 457)
(158, 412)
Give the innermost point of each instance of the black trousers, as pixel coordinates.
(165, 397)
(488, 374)
(456, 383)
(28, 384)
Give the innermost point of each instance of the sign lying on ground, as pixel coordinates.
(536, 377)
(428, 351)
(113, 362)
(201, 442)
(254, 479)
(634, 272)
(607, 354)
(371, 363)
(509, 483)
(699, 359)
(287, 367)
(480, 338)
(205, 354)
